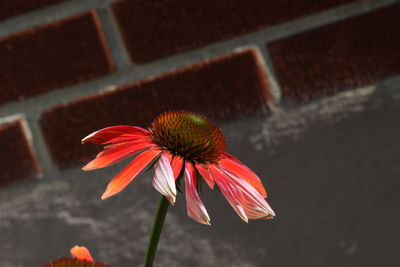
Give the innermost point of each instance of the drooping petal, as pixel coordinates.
(81, 253)
(242, 196)
(164, 181)
(117, 152)
(114, 134)
(176, 163)
(254, 205)
(194, 205)
(205, 173)
(229, 156)
(238, 169)
(130, 172)
(228, 192)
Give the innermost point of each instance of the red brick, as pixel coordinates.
(347, 54)
(223, 89)
(51, 56)
(159, 28)
(16, 7)
(17, 160)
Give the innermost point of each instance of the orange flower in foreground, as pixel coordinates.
(181, 144)
(81, 258)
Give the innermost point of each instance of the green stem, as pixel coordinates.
(156, 232)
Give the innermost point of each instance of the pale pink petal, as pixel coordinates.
(114, 134)
(238, 169)
(81, 253)
(241, 195)
(252, 209)
(117, 152)
(228, 191)
(253, 203)
(164, 181)
(205, 173)
(130, 172)
(195, 207)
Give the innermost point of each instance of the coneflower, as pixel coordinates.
(80, 258)
(181, 146)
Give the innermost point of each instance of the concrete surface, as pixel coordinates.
(331, 167)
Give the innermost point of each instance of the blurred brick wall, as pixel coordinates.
(71, 67)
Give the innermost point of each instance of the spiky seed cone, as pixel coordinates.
(188, 135)
(74, 263)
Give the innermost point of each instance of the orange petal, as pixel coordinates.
(229, 156)
(235, 167)
(81, 253)
(116, 153)
(118, 133)
(130, 172)
(205, 173)
(177, 164)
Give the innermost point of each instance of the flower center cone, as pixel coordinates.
(188, 135)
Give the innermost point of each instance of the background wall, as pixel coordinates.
(307, 93)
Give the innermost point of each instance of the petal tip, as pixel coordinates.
(172, 200)
(81, 253)
(86, 139)
(86, 168)
(270, 211)
(205, 222)
(105, 196)
(269, 217)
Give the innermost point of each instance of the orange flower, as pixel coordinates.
(181, 144)
(81, 258)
